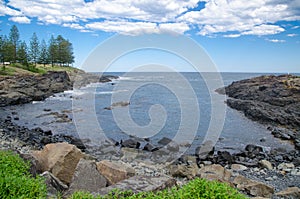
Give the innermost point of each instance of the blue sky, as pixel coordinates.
(238, 35)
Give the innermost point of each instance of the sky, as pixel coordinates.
(238, 35)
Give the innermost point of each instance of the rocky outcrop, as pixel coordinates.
(272, 100)
(26, 88)
(60, 159)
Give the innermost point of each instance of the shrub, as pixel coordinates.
(15, 179)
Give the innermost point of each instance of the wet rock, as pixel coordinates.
(60, 159)
(164, 141)
(86, 178)
(141, 183)
(130, 143)
(117, 104)
(291, 193)
(53, 184)
(149, 147)
(35, 167)
(285, 166)
(206, 149)
(115, 171)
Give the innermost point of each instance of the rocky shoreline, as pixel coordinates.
(256, 171)
(271, 100)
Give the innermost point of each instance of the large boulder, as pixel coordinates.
(86, 178)
(141, 183)
(115, 171)
(60, 159)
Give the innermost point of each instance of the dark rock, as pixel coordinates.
(47, 109)
(54, 185)
(130, 143)
(272, 100)
(205, 150)
(164, 141)
(148, 147)
(86, 178)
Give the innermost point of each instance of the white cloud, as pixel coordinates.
(243, 17)
(292, 35)
(20, 19)
(276, 40)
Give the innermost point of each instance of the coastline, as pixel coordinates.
(250, 157)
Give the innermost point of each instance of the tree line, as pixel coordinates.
(58, 51)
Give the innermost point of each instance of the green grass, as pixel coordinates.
(15, 180)
(197, 188)
(6, 71)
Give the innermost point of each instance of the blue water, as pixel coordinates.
(161, 94)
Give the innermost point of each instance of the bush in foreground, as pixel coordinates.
(197, 188)
(15, 179)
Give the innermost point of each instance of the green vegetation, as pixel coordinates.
(16, 182)
(59, 50)
(15, 179)
(197, 188)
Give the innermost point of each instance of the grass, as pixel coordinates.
(15, 180)
(197, 188)
(30, 69)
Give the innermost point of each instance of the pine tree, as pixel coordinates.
(22, 54)
(34, 49)
(43, 59)
(14, 37)
(52, 51)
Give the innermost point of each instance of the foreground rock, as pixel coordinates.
(60, 159)
(141, 183)
(115, 171)
(86, 178)
(272, 100)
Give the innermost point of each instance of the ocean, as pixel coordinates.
(180, 106)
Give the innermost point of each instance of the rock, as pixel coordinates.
(60, 159)
(290, 192)
(26, 88)
(265, 164)
(224, 157)
(35, 167)
(54, 185)
(215, 172)
(164, 141)
(117, 104)
(115, 171)
(206, 149)
(253, 149)
(272, 100)
(252, 187)
(140, 184)
(149, 147)
(238, 167)
(285, 166)
(184, 171)
(86, 178)
(130, 143)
